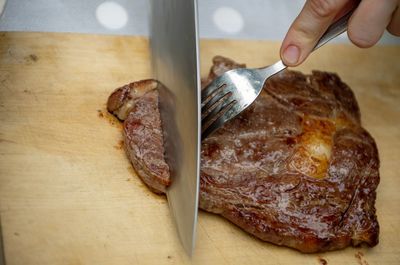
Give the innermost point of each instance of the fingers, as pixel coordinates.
(315, 17)
(366, 26)
(394, 25)
(369, 21)
(351, 4)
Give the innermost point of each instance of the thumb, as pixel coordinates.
(313, 20)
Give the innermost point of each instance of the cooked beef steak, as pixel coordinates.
(137, 104)
(295, 169)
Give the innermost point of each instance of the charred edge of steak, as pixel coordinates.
(138, 106)
(122, 100)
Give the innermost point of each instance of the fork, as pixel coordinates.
(231, 93)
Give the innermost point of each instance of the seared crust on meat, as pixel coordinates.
(122, 100)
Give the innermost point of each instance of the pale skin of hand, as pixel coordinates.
(365, 28)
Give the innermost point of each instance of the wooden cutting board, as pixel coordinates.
(69, 195)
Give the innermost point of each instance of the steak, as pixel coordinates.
(137, 104)
(296, 168)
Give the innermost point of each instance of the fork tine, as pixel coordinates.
(222, 95)
(217, 101)
(220, 107)
(211, 88)
(231, 112)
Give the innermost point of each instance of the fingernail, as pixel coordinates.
(291, 54)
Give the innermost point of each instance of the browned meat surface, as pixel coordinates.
(295, 169)
(137, 104)
(220, 66)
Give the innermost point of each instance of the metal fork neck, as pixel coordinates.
(272, 69)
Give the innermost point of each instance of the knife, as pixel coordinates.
(175, 63)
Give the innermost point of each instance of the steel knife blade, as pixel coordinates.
(175, 63)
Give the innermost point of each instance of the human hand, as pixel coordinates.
(365, 27)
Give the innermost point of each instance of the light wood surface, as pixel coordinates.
(68, 194)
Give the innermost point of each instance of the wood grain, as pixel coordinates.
(68, 195)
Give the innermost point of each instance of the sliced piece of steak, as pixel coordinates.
(137, 104)
(296, 168)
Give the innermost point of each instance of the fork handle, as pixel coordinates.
(335, 29)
